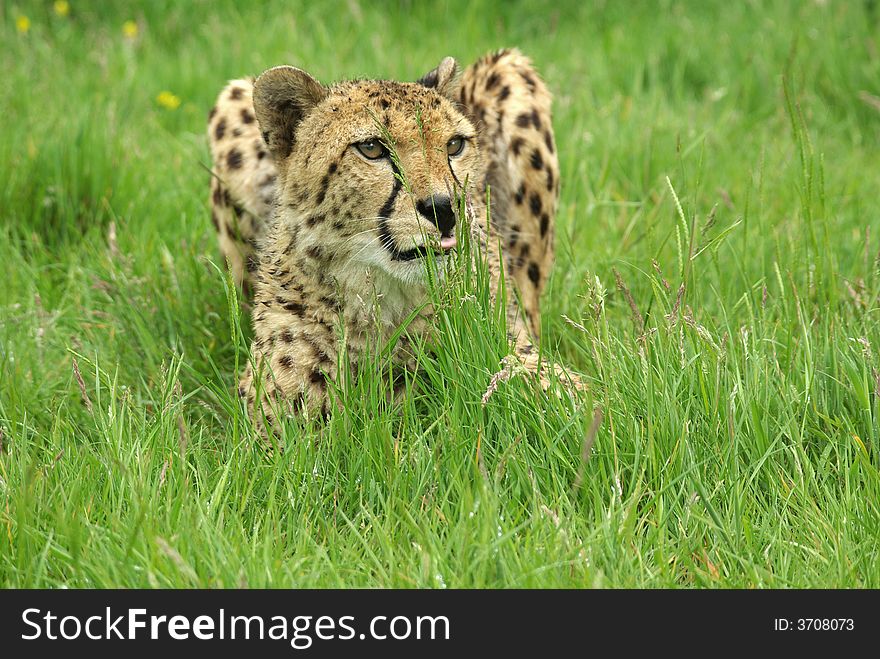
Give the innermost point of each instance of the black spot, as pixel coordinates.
(505, 92)
(520, 193)
(218, 197)
(524, 120)
(492, 80)
(227, 198)
(233, 159)
(545, 223)
(295, 307)
(384, 233)
(220, 129)
(548, 140)
(530, 81)
(536, 120)
(212, 113)
(246, 116)
(332, 169)
(534, 273)
(331, 303)
(286, 361)
(315, 252)
(318, 378)
(535, 203)
(312, 220)
(214, 221)
(319, 353)
(241, 392)
(537, 161)
(524, 251)
(516, 144)
(236, 132)
(323, 191)
(252, 263)
(549, 180)
(260, 154)
(286, 336)
(384, 103)
(235, 93)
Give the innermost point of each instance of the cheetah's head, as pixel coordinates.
(371, 172)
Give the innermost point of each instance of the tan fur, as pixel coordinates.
(241, 197)
(323, 260)
(511, 105)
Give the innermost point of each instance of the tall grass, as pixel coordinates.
(717, 286)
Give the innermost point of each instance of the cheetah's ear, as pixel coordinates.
(283, 96)
(444, 78)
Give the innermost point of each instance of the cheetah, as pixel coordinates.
(328, 200)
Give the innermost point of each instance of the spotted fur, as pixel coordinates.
(330, 238)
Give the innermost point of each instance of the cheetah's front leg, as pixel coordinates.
(526, 352)
(519, 329)
(293, 366)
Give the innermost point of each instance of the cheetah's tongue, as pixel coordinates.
(448, 243)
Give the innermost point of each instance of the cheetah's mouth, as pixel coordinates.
(447, 244)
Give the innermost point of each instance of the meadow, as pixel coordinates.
(717, 286)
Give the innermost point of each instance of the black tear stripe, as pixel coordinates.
(455, 178)
(384, 233)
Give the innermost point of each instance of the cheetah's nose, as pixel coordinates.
(438, 211)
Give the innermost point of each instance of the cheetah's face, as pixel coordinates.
(372, 172)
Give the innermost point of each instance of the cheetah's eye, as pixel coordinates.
(371, 149)
(455, 146)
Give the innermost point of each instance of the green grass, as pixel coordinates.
(734, 144)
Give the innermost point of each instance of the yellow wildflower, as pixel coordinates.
(168, 100)
(23, 24)
(62, 7)
(130, 29)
